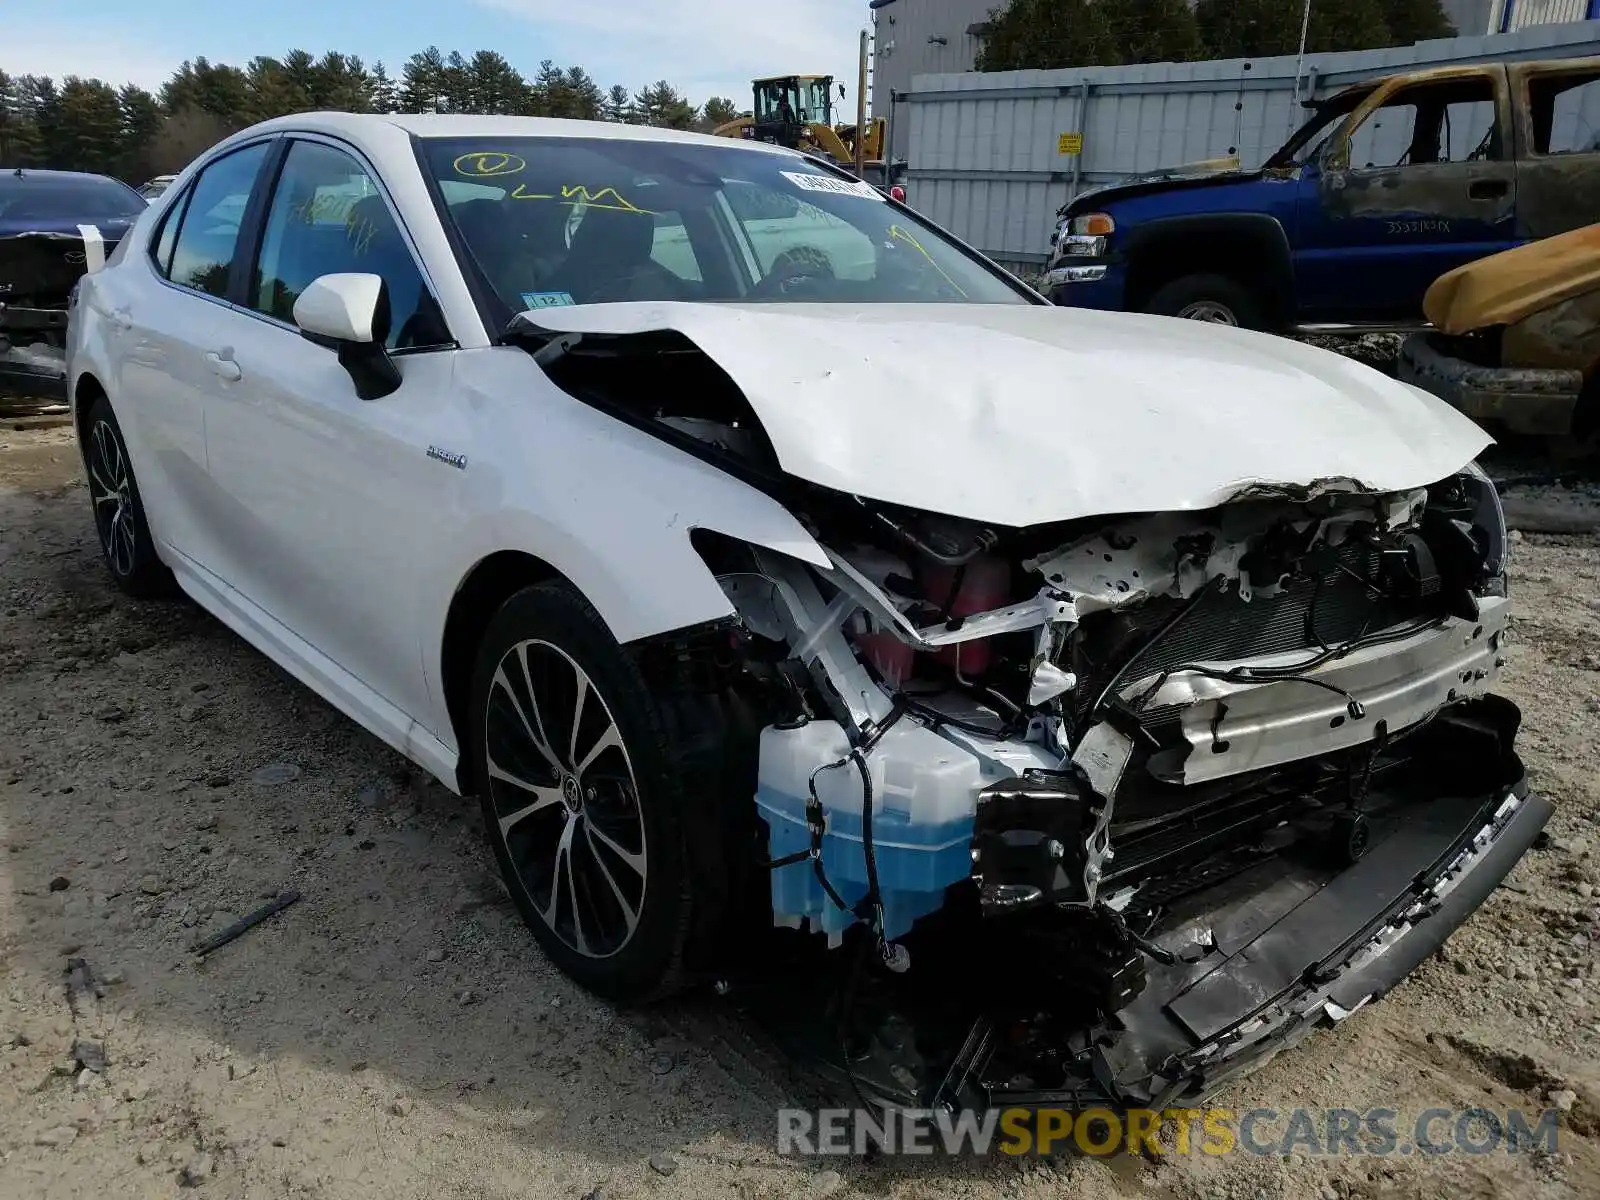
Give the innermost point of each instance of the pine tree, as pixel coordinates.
(619, 105)
(385, 93)
(1149, 31)
(88, 130)
(718, 110)
(1043, 34)
(141, 124)
(1416, 21)
(18, 135)
(422, 82)
(585, 98)
(661, 105)
(494, 85)
(457, 84)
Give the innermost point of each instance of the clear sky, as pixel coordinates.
(702, 47)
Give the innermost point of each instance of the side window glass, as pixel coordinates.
(1566, 114)
(328, 216)
(202, 252)
(161, 252)
(672, 248)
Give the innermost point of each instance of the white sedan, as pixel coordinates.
(762, 556)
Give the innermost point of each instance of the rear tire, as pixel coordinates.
(587, 792)
(126, 545)
(1212, 298)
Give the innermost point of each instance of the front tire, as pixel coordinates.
(126, 545)
(583, 797)
(1215, 299)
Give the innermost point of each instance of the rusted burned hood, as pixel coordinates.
(1024, 414)
(1504, 288)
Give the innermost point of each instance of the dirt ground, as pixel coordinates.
(396, 1033)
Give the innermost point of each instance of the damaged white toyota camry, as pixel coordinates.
(1084, 705)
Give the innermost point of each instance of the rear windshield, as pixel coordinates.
(85, 196)
(560, 221)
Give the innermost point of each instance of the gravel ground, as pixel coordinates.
(396, 1033)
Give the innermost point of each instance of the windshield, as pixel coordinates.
(54, 196)
(559, 221)
(1308, 140)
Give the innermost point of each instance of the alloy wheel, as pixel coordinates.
(1211, 311)
(112, 492)
(565, 799)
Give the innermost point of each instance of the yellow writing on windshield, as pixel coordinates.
(482, 164)
(898, 234)
(579, 196)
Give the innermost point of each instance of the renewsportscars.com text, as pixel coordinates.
(1174, 1131)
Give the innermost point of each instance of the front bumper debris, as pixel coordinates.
(1528, 400)
(1021, 1011)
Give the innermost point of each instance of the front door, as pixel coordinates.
(332, 498)
(1420, 179)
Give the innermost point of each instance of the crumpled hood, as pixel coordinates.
(1019, 415)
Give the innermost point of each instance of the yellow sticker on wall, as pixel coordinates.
(1069, 143)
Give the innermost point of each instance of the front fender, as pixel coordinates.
(604, 504)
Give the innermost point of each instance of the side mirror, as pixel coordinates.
(349, 312)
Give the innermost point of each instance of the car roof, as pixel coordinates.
(460, 125)
(27, 173)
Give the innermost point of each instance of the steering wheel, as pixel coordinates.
(792, 269)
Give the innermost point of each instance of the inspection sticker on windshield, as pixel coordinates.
(547, 299)
(828, 183)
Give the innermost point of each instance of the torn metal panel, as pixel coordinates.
(1507, 287)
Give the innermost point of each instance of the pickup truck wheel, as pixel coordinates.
(1213, 298)
(582, 793)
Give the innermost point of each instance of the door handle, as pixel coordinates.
(1487, 189)
(223, 366)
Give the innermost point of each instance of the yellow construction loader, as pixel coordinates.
(797, 111)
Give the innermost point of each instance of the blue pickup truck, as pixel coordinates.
(1390, 184)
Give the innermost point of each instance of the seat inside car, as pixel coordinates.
(609, 259)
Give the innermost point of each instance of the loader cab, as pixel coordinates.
(786, 104)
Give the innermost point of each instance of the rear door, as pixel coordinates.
(169, 317)
(1558, 168)
(1420, 179)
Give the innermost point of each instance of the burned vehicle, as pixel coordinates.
(54, 226)
(1019, 705)
(1516, 341)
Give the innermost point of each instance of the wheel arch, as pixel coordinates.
(492, 581)
(1252, 248)
(85, 391)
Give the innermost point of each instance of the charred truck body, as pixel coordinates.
(1128, 768)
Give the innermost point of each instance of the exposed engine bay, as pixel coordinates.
(1112, 807)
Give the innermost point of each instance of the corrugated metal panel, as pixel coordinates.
(983, 148)
(1511, 15)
